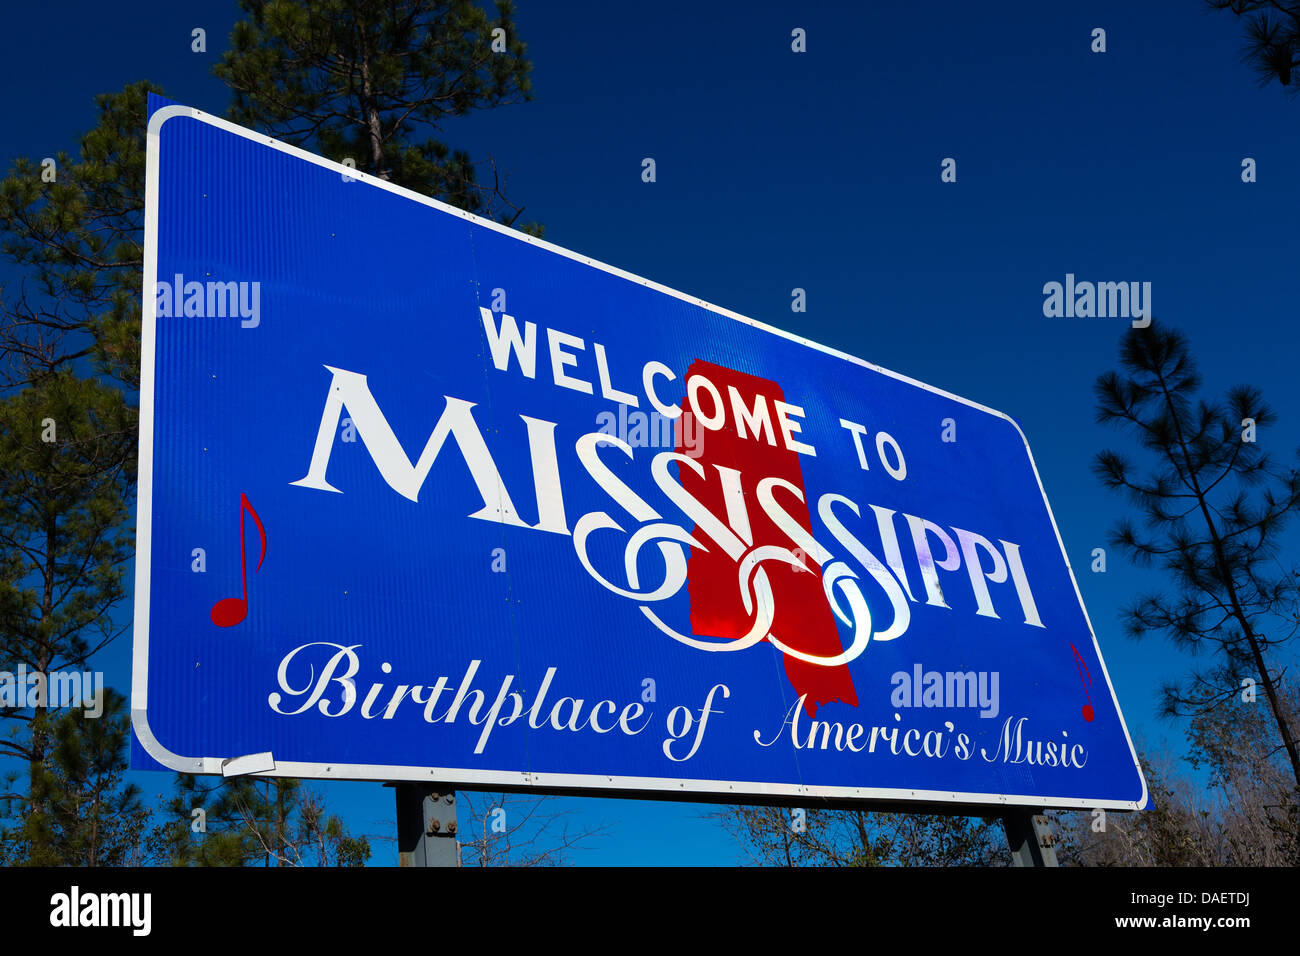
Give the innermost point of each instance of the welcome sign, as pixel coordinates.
(424, 498)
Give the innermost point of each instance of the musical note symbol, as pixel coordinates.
(230, 611)
(1085, 678)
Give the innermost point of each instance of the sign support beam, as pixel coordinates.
(426, 825)
(1030, 839)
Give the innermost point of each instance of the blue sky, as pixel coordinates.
(821, 170)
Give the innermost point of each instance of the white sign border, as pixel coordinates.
(518, 779)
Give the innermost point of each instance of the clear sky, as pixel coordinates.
(821, 170)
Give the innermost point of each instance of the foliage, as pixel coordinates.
(91, 816)
(779, 836)
(1272, 34)
(366, 80)
(1214, 503)
(501, 829)
(80, 238)
(245, 822)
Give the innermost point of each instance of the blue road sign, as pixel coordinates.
(425, 498)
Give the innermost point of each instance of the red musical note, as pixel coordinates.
(1085, 677)
(230, 611)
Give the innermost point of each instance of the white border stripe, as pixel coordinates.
(549, 781)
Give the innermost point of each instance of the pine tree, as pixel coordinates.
(1272, 32)
(80, 239)
(367, 80)
(92, 816)
(245, 822)
(1214, 504)
(65, 535)
(67, 443)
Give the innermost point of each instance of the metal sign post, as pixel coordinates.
(1030, 838)
(426, 825)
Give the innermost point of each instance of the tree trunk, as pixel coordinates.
(37, 794)
(1229, 583)
(369, 110)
